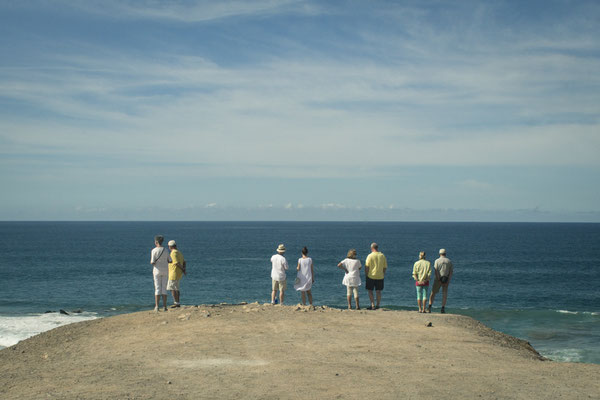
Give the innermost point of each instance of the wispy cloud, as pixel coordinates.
(298, 89)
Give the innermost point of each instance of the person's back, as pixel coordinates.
(422, 270)
(353, 266)
(443, 265)
(160, 259)
(279, 265)
(376, 262)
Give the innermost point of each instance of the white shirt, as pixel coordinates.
(352, 278)
(159, 257)
(279, 266)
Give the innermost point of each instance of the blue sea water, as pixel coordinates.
(539, 282)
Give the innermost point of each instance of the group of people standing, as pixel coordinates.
(170, 266)
(375, 269)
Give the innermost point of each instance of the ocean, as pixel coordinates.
(536, 281)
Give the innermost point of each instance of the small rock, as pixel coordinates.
(168, 382)
(164, 323)
(63, 312)
(429, 324)
(48, 312)
(206, 315)
(76, 311)
(337, 374)
(244, 302)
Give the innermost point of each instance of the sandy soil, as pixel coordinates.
(273, 352)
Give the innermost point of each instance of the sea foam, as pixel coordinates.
(13, 329)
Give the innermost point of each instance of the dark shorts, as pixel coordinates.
(376, 284)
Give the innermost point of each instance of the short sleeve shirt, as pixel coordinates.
(175, 272)
(278, 267)
(444, 266)
(159, 257)
(376, 262)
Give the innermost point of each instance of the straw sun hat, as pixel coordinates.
(281, 248)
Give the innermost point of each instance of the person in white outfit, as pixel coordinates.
(306, 276)
(278, 278)
(352, 281)
(159, 258)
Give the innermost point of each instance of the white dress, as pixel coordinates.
(352, 278)
(304, 278)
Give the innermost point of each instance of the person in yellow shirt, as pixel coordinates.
(421, 274)
(176, 271)
(375, 267)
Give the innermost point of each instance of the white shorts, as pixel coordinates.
(160, 284)
(173, 285)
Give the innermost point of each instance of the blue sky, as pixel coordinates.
(407, 110)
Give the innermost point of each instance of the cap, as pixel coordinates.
(172, 243)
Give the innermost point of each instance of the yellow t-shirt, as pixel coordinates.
(175, 272)
(422, 271)
(376, 263)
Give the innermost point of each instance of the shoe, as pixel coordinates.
(175, 306)
(370, 308)
(377, 307)
(165, 309)
(429, 309)
(443, 310)
(155, 309)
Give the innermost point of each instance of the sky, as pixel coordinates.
(300, 110)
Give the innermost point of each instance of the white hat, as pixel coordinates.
(281, 248)
(442, 251)
(172, 243)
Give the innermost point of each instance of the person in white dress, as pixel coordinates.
(352, 281)
(306, 276)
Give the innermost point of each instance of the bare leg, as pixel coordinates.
(349, 298)
(444, 295)
(164, 297)
(421, 305)
(371, 298)
(176, 296)
(356, 301)
(273, 294)
(156, 300)
(378, 297)
(309, 297)
(303, 298)
(281, 296)
(431, 298)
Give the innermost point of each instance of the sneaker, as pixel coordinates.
(155, 309)
(175, 306)
(443, 310)
(429, 309)
(165, 309)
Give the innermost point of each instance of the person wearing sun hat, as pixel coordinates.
(443, 269)
(176, 271)
(278, 278)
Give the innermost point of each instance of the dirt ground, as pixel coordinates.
(257, 351)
